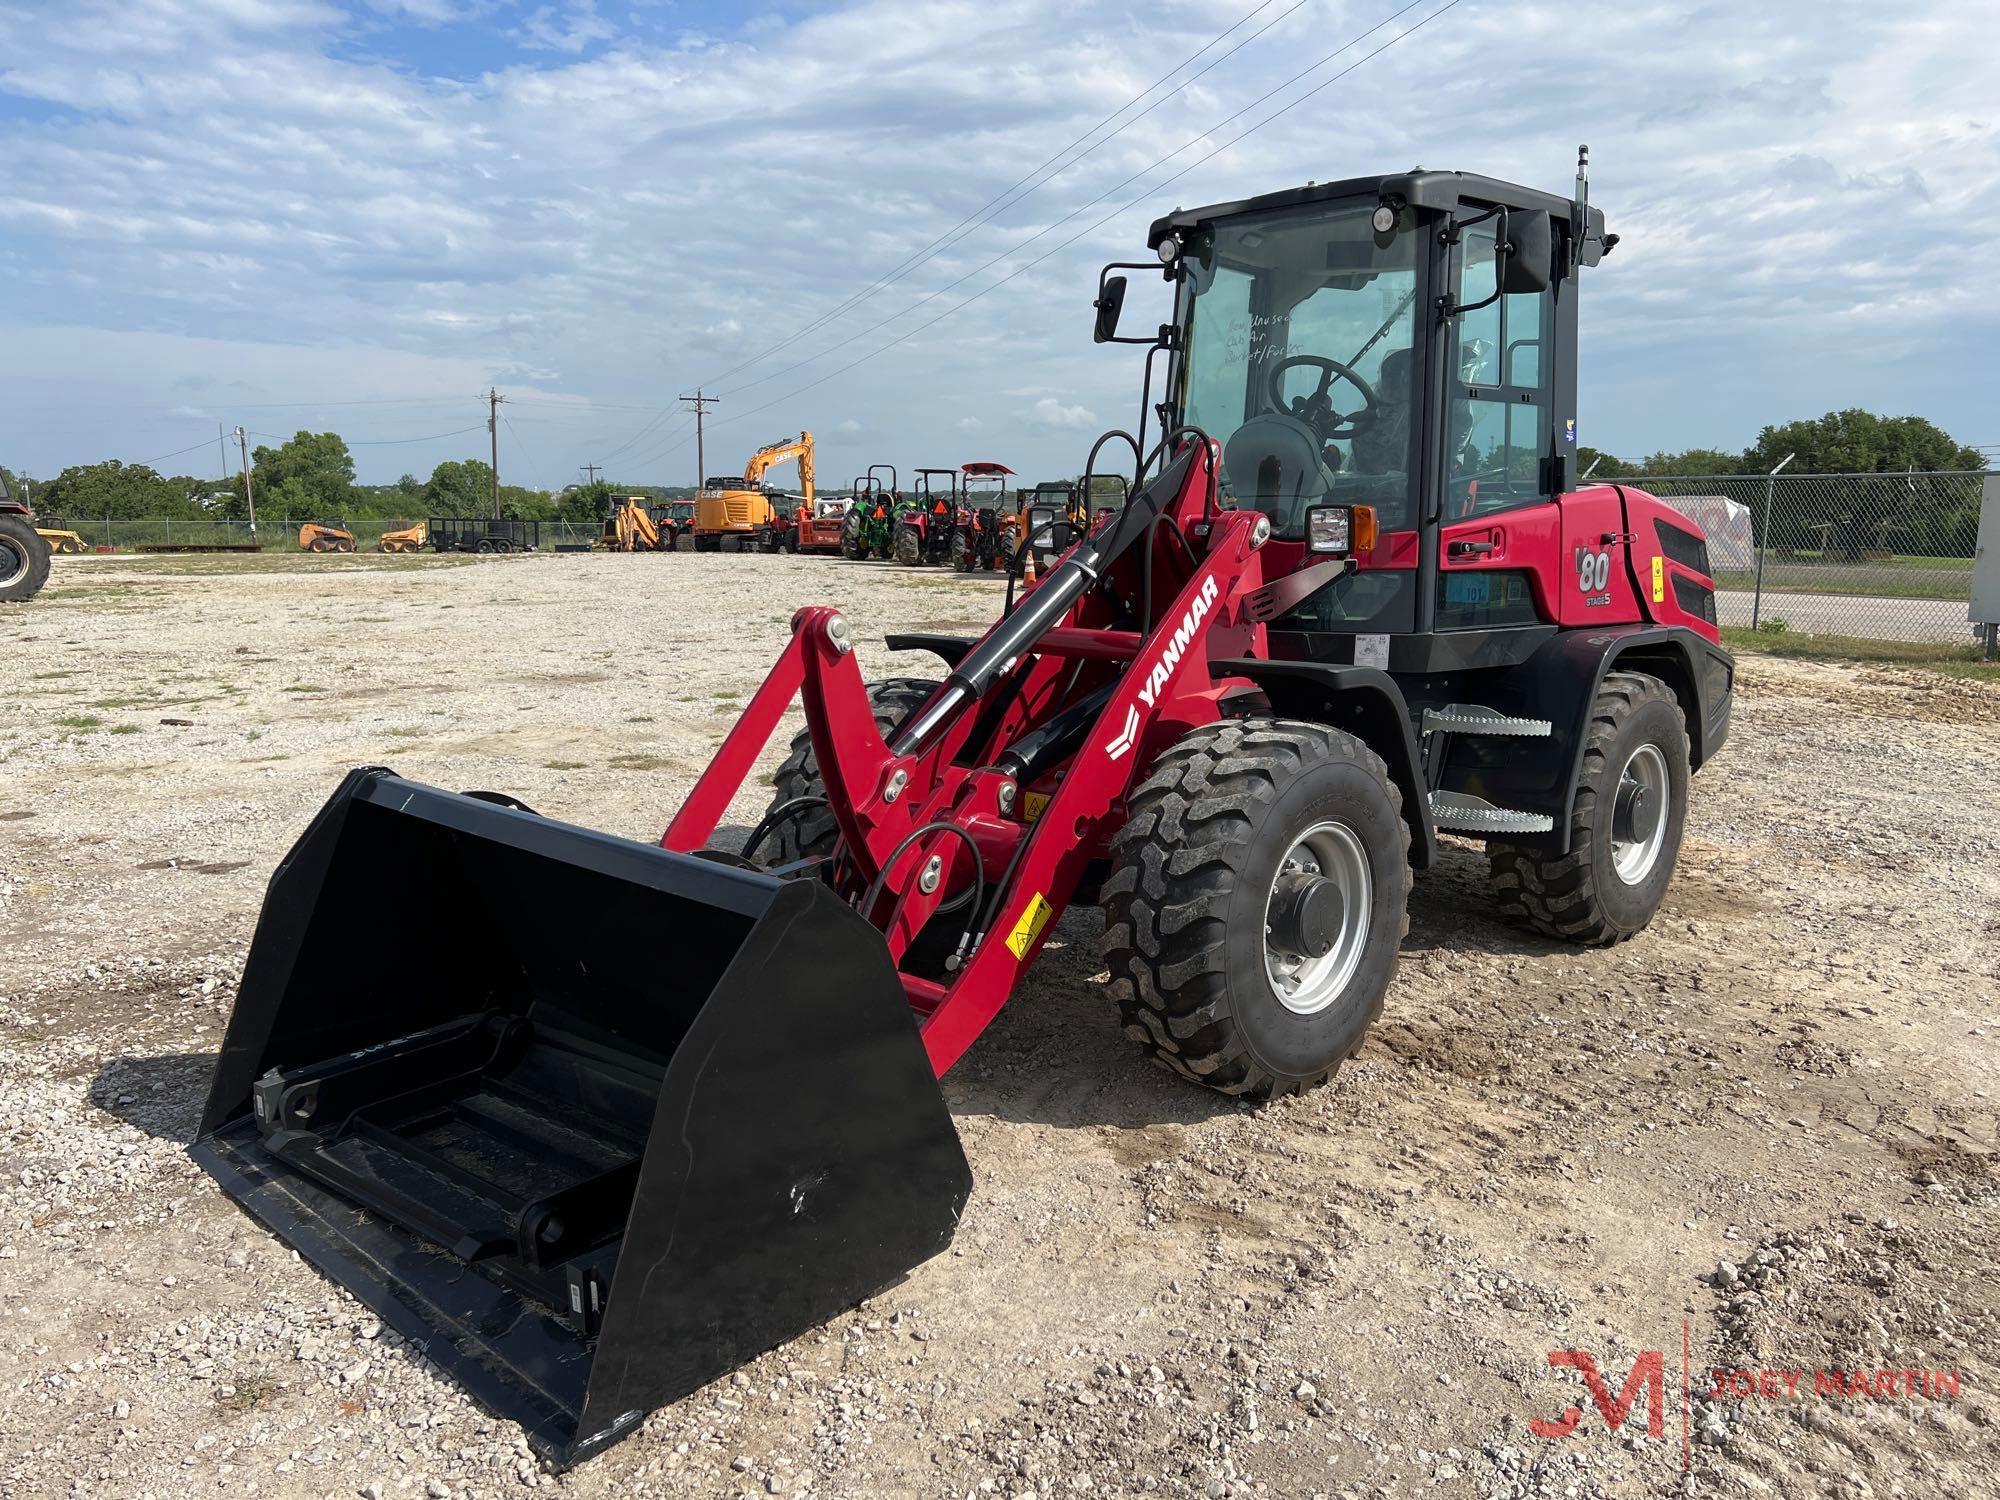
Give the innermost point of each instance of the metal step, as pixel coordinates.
(1471, 814)
(1471, 718)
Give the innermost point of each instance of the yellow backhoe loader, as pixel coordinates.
(629, 527)
(60, 536)
(738, 507)
(409, 539)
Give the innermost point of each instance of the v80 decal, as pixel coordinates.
(1593, 575)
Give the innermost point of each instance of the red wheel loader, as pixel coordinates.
(1355, 597)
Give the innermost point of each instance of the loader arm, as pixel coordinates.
(928, 821)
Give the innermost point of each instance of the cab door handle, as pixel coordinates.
(1469, 548)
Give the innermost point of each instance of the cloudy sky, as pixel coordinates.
(882, 220)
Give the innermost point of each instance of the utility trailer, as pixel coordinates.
(482, 534)
(1356, 596)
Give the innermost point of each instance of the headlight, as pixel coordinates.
(1169, 249)
(1330, 528)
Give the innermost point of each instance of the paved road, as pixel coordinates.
(1863, 615)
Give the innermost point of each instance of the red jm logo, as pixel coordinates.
(1648, 1375)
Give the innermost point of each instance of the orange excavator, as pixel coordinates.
(738, 507)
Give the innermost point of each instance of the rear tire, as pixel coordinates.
(24, 560)
(1229, 817)
(1611, 883)
(853, 546)
(813, 832)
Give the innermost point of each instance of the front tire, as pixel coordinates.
(1624, 827)
(813, 832)
(1257, 904)
(909, 547)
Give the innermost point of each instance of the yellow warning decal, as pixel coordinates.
(1659, 580)
(1032, 804)
(1033, 920)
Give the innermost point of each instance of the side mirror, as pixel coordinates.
(1531, 250)
(1109, 304)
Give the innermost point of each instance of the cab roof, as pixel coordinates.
(1418, 188)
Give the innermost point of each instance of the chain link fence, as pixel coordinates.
(1874, 556)
(278, 535)
(1871, 556)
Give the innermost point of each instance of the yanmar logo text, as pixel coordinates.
(1167, 664)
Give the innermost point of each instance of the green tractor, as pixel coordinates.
(869, 529)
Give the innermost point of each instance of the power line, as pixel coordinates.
(391, 442)
(1115, 188)
(1001, 201)
(1124, 207)
(147, 462)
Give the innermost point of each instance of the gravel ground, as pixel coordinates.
(1762, 1133)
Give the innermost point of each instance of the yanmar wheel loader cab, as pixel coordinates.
(1388, 367)
(1353, 597)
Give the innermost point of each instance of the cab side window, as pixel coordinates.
(1498, 423)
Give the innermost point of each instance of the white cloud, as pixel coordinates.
(1806, 190)
(1052, 415)
(570, 28)
(968, 424)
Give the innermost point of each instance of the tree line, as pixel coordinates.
(310, 476)
(1841, 442)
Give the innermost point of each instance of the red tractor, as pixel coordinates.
(1356, 597)
(984, 531)
(24, 551)
(926, 519)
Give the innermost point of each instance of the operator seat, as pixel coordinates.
(1275, 465)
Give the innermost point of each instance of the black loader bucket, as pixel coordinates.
(589, 1122)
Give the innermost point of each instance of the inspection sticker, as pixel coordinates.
(1033, 919)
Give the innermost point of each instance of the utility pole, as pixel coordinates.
(493, 400)
(249, 495)
(701, 404)
(590, 471)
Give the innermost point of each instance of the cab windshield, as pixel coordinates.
(1298, 334)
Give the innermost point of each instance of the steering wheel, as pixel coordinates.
(1316, 409)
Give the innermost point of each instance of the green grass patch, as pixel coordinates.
(80, 722)
(124, 728)
(49, 676)
(1944, 656)
(305, 687)
(640, 762)
(1912, 578)
(563, 765)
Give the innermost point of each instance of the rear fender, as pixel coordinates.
(1560, 683)
(1366, 703)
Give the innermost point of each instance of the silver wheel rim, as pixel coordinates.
(1306, 986)
(1634, 859)
(13, 562)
